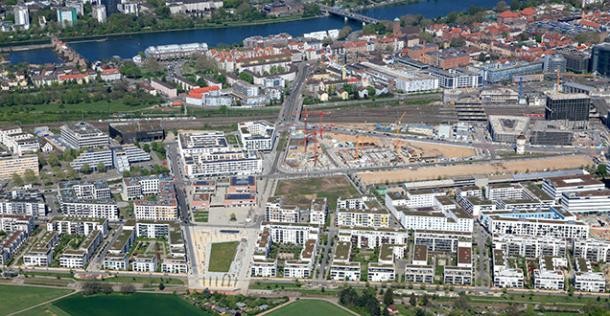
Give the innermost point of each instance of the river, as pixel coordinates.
(128, 46)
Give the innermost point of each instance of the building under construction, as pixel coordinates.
(136, 132)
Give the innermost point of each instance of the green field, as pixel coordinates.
(15, 298)
(310, 307)
(221, 256)
(302, 191)
(132, 305)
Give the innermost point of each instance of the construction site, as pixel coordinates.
(320, 146)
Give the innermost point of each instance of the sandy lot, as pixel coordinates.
(457, 170)
(427, 149)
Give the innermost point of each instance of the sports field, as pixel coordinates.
(15, 298)
(310, 307)
(132, 305)
(221, 256)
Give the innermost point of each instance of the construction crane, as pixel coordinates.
(305, 115)
(399, 123)
(357, 146)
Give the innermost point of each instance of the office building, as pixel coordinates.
(67, 16)
(98, 12)
(506, 129)
(554, 63)
(555, 187)
(140, 131)
(570, 109)
(576, 61)
(600, 59)
(83, 135)
(597, 201)
(10, 165)
(494, 73)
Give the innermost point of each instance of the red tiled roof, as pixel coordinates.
(200, 92)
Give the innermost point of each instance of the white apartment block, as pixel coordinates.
(531, 246)
(139, 187)
(263, 268)
(79, 258)
(586, 280)
(72, 226)
(208, 154)
(144, 264)
(538, 227)
(278, 212)
(372, 238)
(349, 271)
(160, 206)
(257, 135)
(28, 203)
(41, 253)
(13, 223)
(505, 191)
(476, 206)
(594, 250)
(369, 218)
(10, 244)
(547, 276)
(597, 201)
(117, 262)
(174, 265)
(419, 274)
(430, 219)
(317, 211)
(440, 241)
(152, 230)
(388, 254)
(87, 199)
(297, 269)
(381, 273)
(509, 278)
(457, 275)
(291, 233)
(556, 186)
(414, 198)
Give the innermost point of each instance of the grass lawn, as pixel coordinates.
(221, 256)
(302, 191)
(133, 305)
(15, 298)
(201, 216)
(310, 307)
(48, 309)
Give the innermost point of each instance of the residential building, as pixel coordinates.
(533, 227)
(75, 226)
(13, 223)
(341, 268)
(586, 280)
(87, 199)
(22, 202)
(79, 258)
(66, 16)
(457, 275)
(594, 250)
(263, 268)
(296, 234)
(317, 211)
(10, 244)
(18, 142)
(494, 73)
(547, 276)
(22, 16)
(531, 246)
(419, 274)
(152, 230)
(256, 135)
(371, 238)
(144, 263)
(381, 272)
(98, 12)
(440, 241)
(41, 253)
(161, 206)
(11, 165)
(116, 258)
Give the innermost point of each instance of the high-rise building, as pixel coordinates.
(99, 13)
(22, 16)
(600, 61)
(66, 16)
(572, 109)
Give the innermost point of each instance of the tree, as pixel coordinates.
(100, 167)
(501, 6)
(53, 160)
(127, 288)
(457, 42)
(388, 297)
(17, 180)
(246, 76)
(30, 176)
(233, 217)
(161, 286)
(345, 31)
(413, 300)
(515, 5)
(130, 70)
(86, 169)
(602, 171)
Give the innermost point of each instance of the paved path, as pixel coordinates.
(43, 303)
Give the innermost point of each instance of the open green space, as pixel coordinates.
(310, 307)
(133, 304)
(201, 216)
(302, 191)
(15, 298)
(221, 256)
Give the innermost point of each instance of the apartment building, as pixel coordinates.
(381, 272)
(457, 275)
(41, 253)
(388, 254)
(13, 223)
(144, 263)
(139, 187)
(427, 218)
(117, 255)
(317, 211)
(548, 276)
(162, 206)
(22, 202)
(304, 266)
(174, 265)
(369, 217)
(419, 273)
(296, 234)
(208, 154)
(556, 186)
(87, 199)
(505, 191)
(475, 205)
(152, 230)
(371, 238)
(556, 228)
(441, 241)
(586, 280)
(505, 274)
(263, 268)
(531, 246)
(79, 258)
(10, 244)
(256, 135)
(81, 227)
(594, 250)
(413, 198)
(83, 135)
(341, 268)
